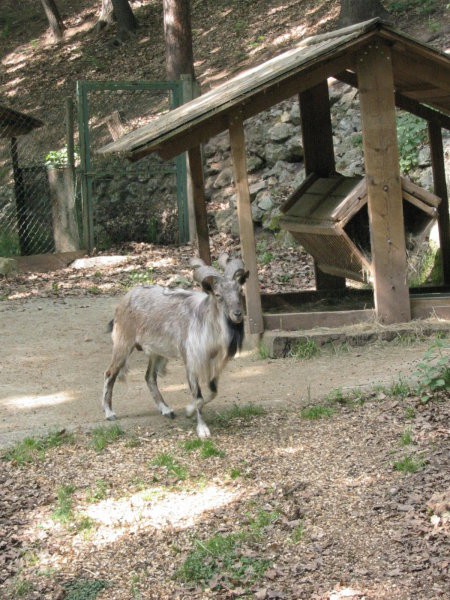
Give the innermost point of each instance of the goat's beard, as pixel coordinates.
(236, 333)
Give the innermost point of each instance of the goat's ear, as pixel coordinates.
(242, 277)
(207, 285)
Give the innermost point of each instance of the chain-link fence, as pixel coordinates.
(25, 207)
(49, 169)
(143, 201)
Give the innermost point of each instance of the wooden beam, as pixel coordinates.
(294, 321)
(247, 234)
(198, 191)
(317, 134)
(401, 101)
(384, 192)
(440, 189)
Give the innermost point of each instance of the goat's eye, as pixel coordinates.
(219, 297)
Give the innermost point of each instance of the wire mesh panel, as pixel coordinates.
(25, 207)
(123, 201)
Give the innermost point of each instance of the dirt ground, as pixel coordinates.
(352, 504)
(54, 352)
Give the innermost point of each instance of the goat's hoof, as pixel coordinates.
(203, 432)
(111, 417)
(170, 415)
(190, 410)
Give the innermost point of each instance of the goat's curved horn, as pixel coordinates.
(234, 269)
(197, 262)
(203, 272)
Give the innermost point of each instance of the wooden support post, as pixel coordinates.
(198, 193)
(247, 234)
(440, 189)
(317, 134)
(385, 204)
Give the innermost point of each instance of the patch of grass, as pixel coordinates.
(20, 588)
(407, 438)
(97, 493)
(241, 412)
(298, 533)
(409, 464)
(337, 396)
(410, 413)
(63, 512)
(206, 447)
(304, 350)
(219, 560)
(94, 290)
(171, 465)
(103, 436)
(235, 473)
(33, 449)
(84, 589)
(317, 412)
(399, 389)
(261, 520)
(84, 524)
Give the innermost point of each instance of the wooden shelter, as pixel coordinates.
(390, 69)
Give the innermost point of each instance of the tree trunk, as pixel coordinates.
(355, 11)
(124, 15)
(106, 17)
(54, 19)
(178, 36)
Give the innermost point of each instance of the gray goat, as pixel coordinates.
(204, 329)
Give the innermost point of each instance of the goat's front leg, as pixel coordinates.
(108, 386)
(196, 407)
(156, 364)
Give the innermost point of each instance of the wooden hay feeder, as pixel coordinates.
(329, 218)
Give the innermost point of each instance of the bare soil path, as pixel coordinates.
(54, 352)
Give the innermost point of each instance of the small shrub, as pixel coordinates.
(263, 351)
(298, 534)
(411, 133)
(434, 371)
(98, 493)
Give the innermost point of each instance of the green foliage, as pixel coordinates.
(64, 506)
(84, 589)
(317, 412)
(399, 389)
(434, 371)
(298, 533)
(411, 133)
(409, 464)
(141, 277)
(103, 436)
(264, 256)
(410, 413)
(422, 7)
(304, 350)
(32, 449)
(58, 159)
(235, 473)
(9, 243)
(263, 351)
(171, 465)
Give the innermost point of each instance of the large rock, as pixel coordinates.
(280, 132)
(8, 266)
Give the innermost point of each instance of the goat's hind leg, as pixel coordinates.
(108, 386)
(156, 365)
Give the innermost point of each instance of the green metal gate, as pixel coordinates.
(107, 110)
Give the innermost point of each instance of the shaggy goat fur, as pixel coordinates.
(205, 329)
